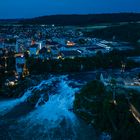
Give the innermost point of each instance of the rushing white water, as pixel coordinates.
(54, 120)
(54, 112)
(8, 105)
(58, 107)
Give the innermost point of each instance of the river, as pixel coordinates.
(51, 119)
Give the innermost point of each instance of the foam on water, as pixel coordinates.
(52, 121)
(57, 108)
(8, 105)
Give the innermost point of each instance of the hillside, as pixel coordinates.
(83, 19)
(129, 32)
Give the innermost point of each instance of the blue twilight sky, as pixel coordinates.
(33, 8)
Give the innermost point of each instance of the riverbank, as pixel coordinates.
(109, 109)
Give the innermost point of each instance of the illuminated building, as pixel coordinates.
(69, 43)
(20, 62)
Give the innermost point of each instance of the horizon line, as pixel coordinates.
(18, 18)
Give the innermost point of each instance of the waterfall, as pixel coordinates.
(8, 105)
(57, 107)
(52, 120)
(55, 113)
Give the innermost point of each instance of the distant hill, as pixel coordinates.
(128, 32)
(83, 19)
(11, 21)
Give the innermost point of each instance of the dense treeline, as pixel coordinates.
(7, 68)
(111, 60)
(128, 32)
(95, 105)
(83, 19)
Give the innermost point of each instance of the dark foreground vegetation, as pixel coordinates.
(95, 105)
(127, 32)
(36, 66)
(112, 60)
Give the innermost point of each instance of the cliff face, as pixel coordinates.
(96, 106)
